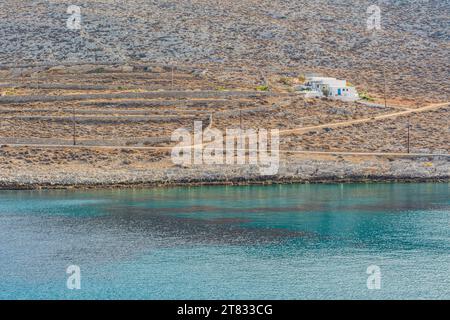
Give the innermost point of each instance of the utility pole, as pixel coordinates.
(408, 134)
(384, 77)
(264, 79)
(16, 72)
(74, 132)
(210, 121)
(172, 77)
(240, 118)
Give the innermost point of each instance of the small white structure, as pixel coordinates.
(317, 87)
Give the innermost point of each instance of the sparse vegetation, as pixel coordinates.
(136, 121)
(9, 92)
(365, 96)
(301, 78)
(286, 81)
(98, 70)
(326, 92)
(262, 88)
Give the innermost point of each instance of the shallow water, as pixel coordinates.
(255, 242)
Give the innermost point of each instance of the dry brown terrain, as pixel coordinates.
(270, 36)
(121, 121)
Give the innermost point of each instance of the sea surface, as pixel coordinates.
(228, 242)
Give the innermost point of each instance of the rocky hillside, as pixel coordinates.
(329, 36)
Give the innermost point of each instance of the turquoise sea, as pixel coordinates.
(228, 242)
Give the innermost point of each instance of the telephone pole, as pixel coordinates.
(172, 77)
(384, 77)
(240, 117)
(408, 147)
(74, 132)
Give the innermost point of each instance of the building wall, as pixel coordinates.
(333, 86)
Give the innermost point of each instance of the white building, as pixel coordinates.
(317, 87)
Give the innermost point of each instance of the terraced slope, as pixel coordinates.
(122, 125)
(272, 36)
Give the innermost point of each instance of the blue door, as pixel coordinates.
(339, 92)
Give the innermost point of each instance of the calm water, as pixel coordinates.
(258, 242)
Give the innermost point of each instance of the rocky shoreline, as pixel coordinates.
(340, 170)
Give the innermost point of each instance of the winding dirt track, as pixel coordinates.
(284, 132)
(363, 120)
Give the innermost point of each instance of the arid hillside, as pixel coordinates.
(121, 119)
(98, 105)
(330, 36)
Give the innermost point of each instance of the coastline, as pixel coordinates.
(362, 180)
(341, 170)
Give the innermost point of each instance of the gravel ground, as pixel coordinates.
(125, 173)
